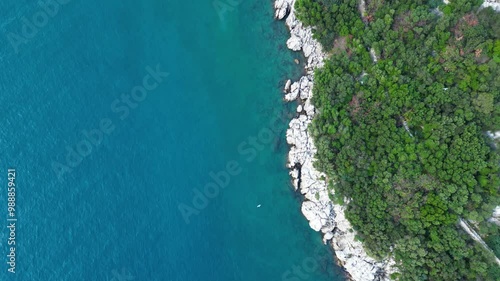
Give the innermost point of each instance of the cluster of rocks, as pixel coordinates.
(323, 215)
(495, 218)
(495, 4)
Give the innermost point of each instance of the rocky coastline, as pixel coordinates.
(323, 215)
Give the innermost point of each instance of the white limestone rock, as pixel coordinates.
(308, 50)
(495, 217)
(294, 92)
(496, 212)
(306, 85)
(282, 8)
(493, 135)
(328, 236)
(373, 55)
(294, 43)
(309, 108)
(313, 215)
(288, 83)
(495, 4)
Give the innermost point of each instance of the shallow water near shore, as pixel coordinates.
(115, 215)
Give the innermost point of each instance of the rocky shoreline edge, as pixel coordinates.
(323, 215)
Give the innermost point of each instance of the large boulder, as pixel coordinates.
(282, 8)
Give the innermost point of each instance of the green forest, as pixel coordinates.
(404, 138)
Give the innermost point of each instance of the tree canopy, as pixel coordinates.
(404, 138)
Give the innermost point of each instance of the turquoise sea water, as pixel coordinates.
(115, 215)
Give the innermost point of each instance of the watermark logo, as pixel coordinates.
(123, 275)
(305, 269)
(248, 150)
(30, 26)
(121, 107)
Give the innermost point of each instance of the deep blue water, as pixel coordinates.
(114, 213)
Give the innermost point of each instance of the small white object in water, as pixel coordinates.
(258, 206)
